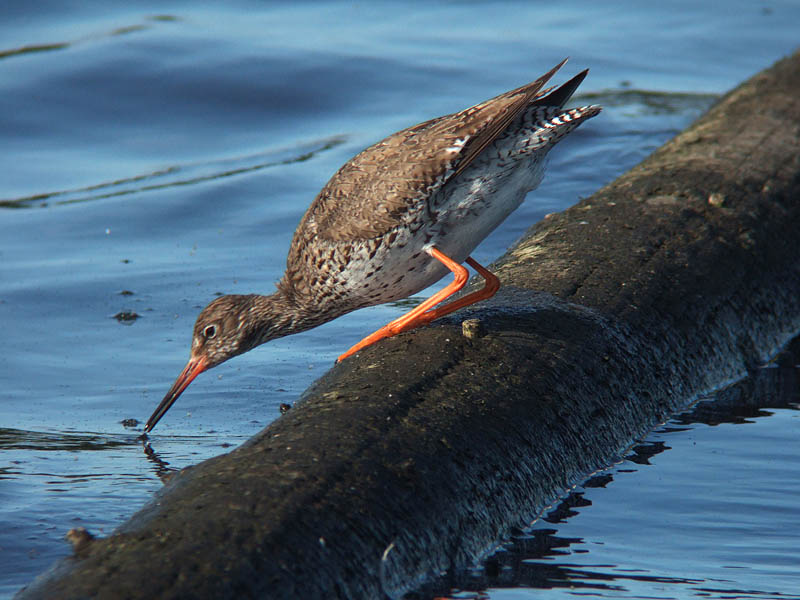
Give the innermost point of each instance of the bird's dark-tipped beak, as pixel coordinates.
(194, 367)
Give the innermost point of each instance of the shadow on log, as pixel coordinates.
(427, 448)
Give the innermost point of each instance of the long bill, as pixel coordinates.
(193, 368)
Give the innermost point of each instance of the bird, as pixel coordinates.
(395, 219)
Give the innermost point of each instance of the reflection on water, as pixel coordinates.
(177, 175)
(544, 559)
(652, 102)
(161, 466)
(49, 47)
(15, 439)
(40, 441)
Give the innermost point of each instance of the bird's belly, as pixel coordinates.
(401, 267)
(390, 273)
(478, 204)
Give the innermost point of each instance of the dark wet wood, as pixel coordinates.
(669, 282)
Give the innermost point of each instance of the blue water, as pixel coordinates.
(169, 150)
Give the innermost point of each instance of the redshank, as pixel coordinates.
(395, 219)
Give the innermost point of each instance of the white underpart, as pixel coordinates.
(457, 145)
(467, 209)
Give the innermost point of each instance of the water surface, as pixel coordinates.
(155, 155)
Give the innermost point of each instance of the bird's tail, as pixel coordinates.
(559, 96)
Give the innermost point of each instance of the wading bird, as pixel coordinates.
(395, 219)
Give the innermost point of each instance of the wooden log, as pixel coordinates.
(421, 452)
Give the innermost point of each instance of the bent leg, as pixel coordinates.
(425, 312)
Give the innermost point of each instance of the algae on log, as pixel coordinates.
(671, 281)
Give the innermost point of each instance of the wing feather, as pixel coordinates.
(375, 191)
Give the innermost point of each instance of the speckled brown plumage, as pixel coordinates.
(394, 219)
(392, 182)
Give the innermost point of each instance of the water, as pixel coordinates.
(155, 155)
(704, 507)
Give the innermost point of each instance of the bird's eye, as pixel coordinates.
(210, 331)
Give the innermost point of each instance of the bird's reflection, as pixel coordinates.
(162, 468)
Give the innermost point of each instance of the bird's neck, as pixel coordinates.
(279, 315)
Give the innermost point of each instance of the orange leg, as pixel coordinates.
(425, 312)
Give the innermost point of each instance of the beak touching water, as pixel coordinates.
(194, 367)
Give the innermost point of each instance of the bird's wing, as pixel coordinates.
(374, 191)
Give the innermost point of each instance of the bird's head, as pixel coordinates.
(227, 327)
(224, 329)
